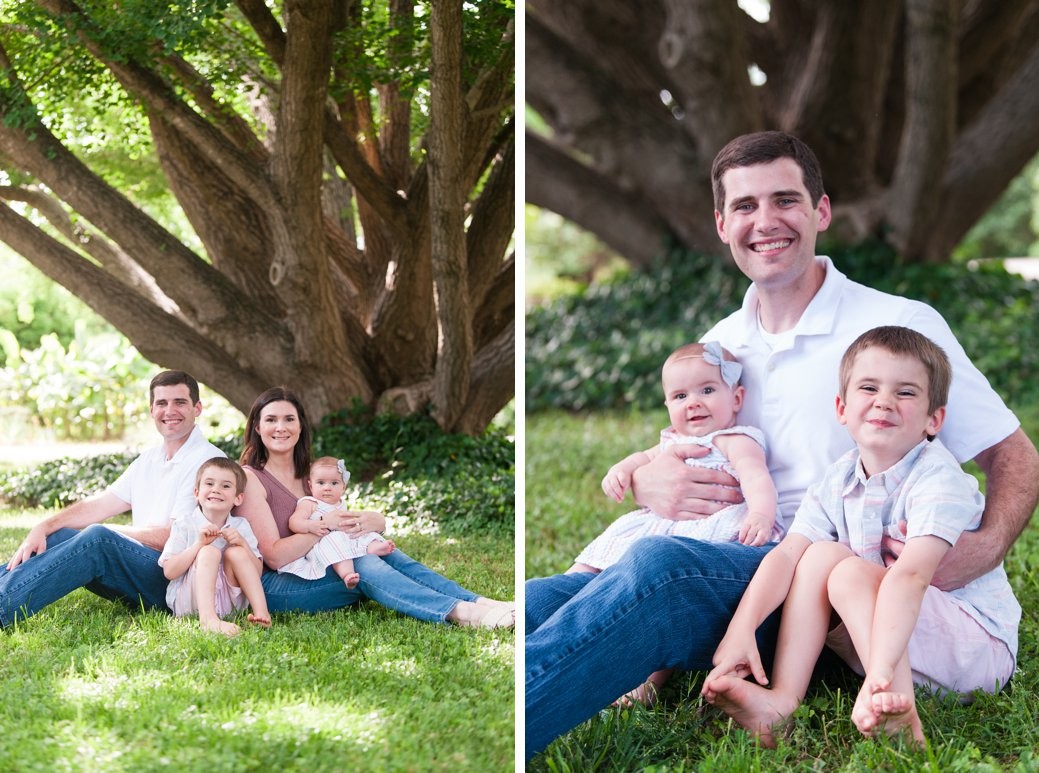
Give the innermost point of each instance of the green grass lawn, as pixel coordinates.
(88, 685)
(566, 457)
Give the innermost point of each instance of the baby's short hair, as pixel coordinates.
(223, 463)
(909, 343)
(325, 461)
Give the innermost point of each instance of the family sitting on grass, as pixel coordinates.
(208, 536)
(891, 557)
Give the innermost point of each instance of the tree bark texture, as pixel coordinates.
(339, 247)
(921, 111)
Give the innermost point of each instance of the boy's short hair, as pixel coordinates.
(764, 148)
(908, 343)
(172, 378)
(223, 463)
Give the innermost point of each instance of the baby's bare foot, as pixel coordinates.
(756, 709)
(220, 626)
(382, 548)
(352, 579)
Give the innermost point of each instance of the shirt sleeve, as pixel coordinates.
(181, 536)
(812, 519)
(943, 502)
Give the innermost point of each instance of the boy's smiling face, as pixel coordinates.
(885, 407)
(217, 494)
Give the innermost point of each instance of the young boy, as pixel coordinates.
(211, 558)
(894, 384)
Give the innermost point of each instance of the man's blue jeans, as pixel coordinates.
(116, 568)
(592, 637)
(96, 558)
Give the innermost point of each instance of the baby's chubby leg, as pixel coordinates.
(381, 547)
(346, 572)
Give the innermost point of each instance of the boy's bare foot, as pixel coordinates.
(756, 709)
(890, 712)
(217, 625)
(261, 620)
(352, 579)
(382, 548)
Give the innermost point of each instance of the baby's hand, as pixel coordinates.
(756, 529)
(616, 483)
(318, 527)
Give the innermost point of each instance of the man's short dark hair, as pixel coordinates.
(763, 148)
(173, 378)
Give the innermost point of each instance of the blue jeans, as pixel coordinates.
(116, 568)
(97, 559)
(396, 581)
(592, 637)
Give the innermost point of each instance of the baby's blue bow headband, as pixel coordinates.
(712, 355)
(343, 471)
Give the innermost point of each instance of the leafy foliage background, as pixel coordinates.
(603, 347)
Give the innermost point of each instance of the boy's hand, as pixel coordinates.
(756, 529)
(232, 536)
(738, 655)
(207, 534)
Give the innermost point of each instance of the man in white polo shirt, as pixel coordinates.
(73, 549)
(592, 637)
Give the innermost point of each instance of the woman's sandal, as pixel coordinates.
(497, 616)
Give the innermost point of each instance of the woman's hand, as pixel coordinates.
(354, 522)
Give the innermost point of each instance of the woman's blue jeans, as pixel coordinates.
(108, 564)
(396, 581)
(592, 637)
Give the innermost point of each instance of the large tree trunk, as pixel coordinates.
(921, 111)
(344, 252)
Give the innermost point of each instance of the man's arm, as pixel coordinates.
(78, 515)
(152, 536)
(672, 489)
(1011, 469)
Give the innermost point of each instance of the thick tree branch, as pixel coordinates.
(623, 220)
(447, 216)
(987, 155)
(930, 121)
(157, 95)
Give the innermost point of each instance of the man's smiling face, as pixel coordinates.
(173, 412)
(769, 222)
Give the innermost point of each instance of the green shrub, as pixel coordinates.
(64, 481)
(406, 467)
(603, 348)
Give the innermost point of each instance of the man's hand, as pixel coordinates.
(672, 489)
(957, 567)
(35, 542)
